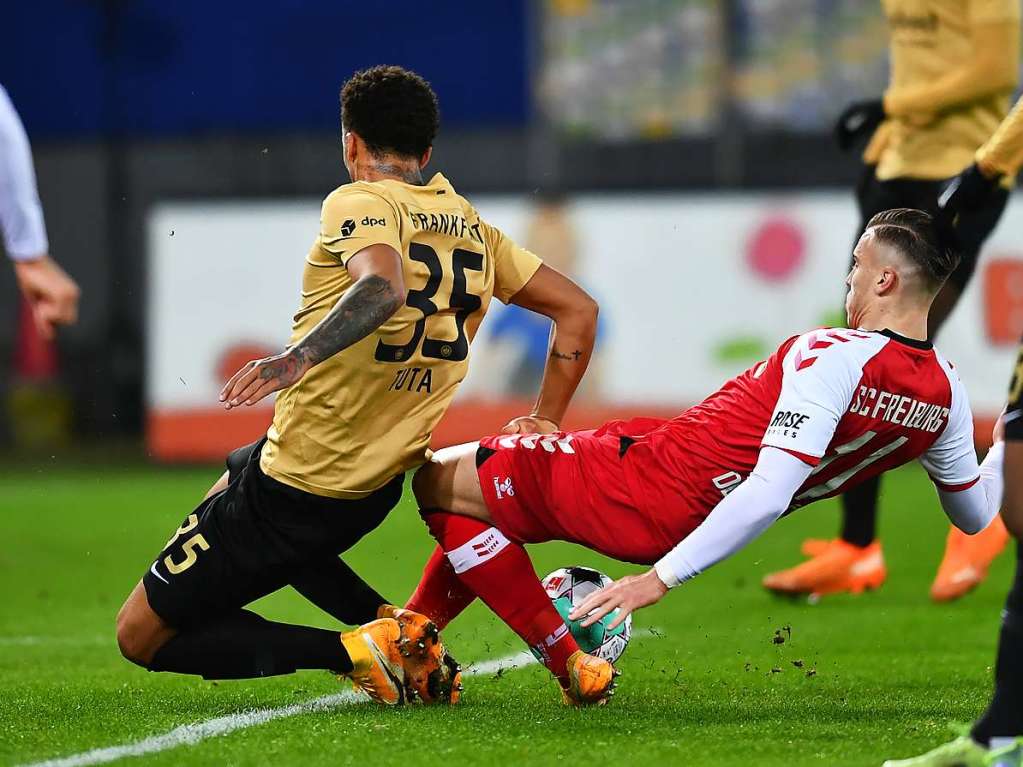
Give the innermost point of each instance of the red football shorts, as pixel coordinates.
(568, 487)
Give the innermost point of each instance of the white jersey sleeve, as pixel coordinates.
(742, 515)
(820, 373)
(952, 460)
(21, 214)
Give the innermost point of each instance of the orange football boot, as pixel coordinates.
(431, 674)
(591, 680)
(967, 559)
(376, 661)
(836, 568)
(813, 546)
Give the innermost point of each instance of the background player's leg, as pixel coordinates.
(972, 228)
(831, 562)
(1004, 717)
(967, 558)
(859, 505)
(859, 513)
(335, 588)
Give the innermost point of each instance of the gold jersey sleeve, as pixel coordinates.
(353, 219)
(366, 414)
(1003, 152)
(953, 69)
(513, 265)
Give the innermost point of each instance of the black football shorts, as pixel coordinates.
(251, 539)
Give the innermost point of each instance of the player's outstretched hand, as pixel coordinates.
(51, 293)
(628, 594)
(530, 424)
(857, 122)
(258, 378)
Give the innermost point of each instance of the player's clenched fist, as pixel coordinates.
(51, 293)
(625, 595)
(258, 378)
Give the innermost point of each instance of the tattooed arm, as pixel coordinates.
(378, 292)
(573, 333)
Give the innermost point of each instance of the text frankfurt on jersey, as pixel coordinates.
(899, 409)
(451, 224)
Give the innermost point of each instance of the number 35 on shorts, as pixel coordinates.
(189, 547)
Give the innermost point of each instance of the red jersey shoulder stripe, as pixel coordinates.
(955, 488)
(809, 460)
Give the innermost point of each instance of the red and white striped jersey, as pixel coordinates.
(850, 403)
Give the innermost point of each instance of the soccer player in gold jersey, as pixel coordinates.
(394, 288)
(994, 740)
(954, 65)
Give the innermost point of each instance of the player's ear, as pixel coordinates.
(351, 143)
(886, 281)
(425, 159)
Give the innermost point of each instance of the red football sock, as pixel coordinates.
(440, 595)
(500, 573)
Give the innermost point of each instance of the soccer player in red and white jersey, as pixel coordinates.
(829, 409)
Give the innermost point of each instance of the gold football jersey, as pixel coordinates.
(1003, 152)
(932, 44)
(366, 414)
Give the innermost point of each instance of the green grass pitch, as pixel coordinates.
(860, 679)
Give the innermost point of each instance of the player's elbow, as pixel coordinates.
(579, 314)
(391, 293)
(590, 310)
(396, 299)
(386, 299)
(971, 524)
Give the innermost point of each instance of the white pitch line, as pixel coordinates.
(33, 641)
(190, 734)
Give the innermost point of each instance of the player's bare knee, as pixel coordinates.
(140, 632)
(440, 483)
(425, 484)
(131, 641)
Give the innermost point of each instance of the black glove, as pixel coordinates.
(967, 191)
(858, 122)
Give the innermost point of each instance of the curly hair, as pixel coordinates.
(915, 234)
(392, 109)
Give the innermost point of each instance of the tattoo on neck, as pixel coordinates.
(573, 357)
(410, 175)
